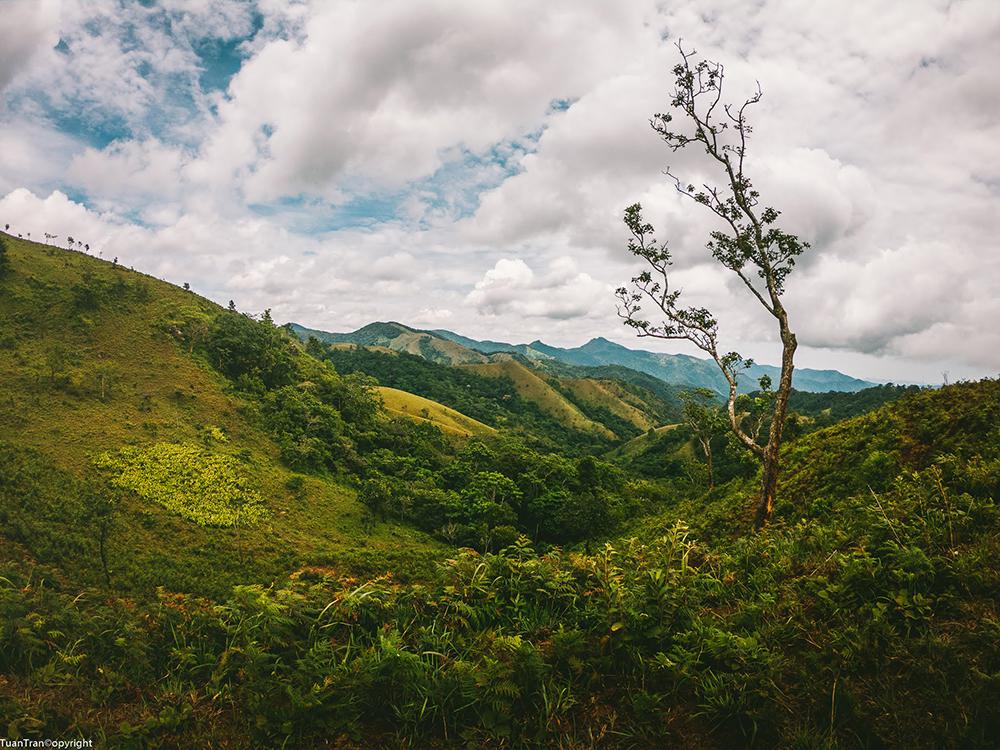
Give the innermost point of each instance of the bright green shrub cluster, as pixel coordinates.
(204, 487)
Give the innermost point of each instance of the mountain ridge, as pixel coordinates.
(674, 369)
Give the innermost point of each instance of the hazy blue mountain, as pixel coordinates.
(681, 369)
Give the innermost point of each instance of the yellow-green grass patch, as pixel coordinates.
(418, 408)
(208, 488)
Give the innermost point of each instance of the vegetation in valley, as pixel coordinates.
(824, 409)
(490, 397)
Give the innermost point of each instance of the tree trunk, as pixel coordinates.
(772, 453)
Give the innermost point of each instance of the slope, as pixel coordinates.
(423, 409)
(857, 620)
(607, 394)
(878, 574)
(399, 338)
(94, 360)
(532, 387)
(648, 399)
(492, 400)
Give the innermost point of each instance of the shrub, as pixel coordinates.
(207, 488)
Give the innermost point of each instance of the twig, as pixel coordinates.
(891, 527)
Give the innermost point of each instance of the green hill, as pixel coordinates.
(490, 395)
(535, 389)
(399, 338)
(681, 370)
(95, 358)
(423, 409)
(564, 403)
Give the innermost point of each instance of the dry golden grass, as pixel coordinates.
(422, 409)
(609, 395)
(533, 388)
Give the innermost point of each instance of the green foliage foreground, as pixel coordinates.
(868, 624)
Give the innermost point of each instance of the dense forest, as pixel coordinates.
(214, 534)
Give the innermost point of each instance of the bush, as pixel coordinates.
(207, 488)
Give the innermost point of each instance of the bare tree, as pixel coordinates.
(101, 506)
(748, 243)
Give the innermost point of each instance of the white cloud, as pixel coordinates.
(374, 94)
(28, 25)
(130, 174)
(432, 316)
(562, 293)
(878, 138)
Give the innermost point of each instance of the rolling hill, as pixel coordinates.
(601, 387)
(210, 537)
(534, 388)
(399, 338)
(682, 370)
(609, 402)
(613, 396)
(424, 410)
(97, 360)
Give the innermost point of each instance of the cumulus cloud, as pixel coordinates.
(131, 66)
(432, 316)
(374, 94)
(562, 293)
(130, 175)
(494, 147)
(28, 25)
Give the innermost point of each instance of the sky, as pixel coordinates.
(462, 165)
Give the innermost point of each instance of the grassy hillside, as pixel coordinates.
(645, 442)
(399, 338)
(659, 400)
(833, 406)
(91, 364)
(533, 388)
(423, 409)
(873, 593)
(603, 407)
(612, 396)
(493, 400)
(861, 618)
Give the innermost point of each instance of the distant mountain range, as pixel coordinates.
(447, 347)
